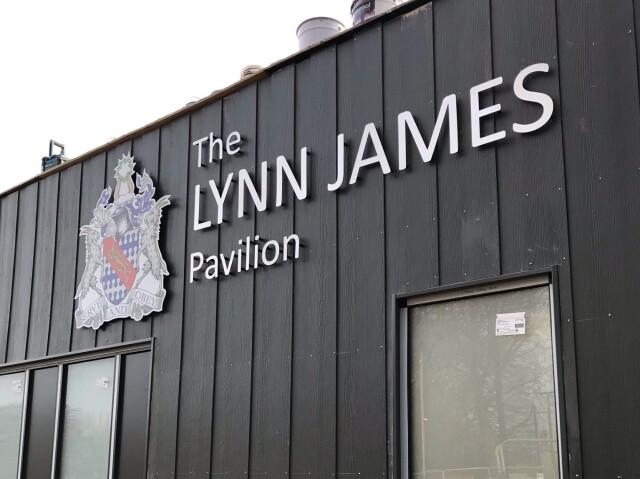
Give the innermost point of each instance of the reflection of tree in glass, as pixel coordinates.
(479, 390)
(85, 433)
(87, 421)
(10, 424)
(11, 402)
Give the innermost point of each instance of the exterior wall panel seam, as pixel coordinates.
(182, 314)
(573, 456)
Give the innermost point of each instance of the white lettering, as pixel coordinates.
(199, 143)
(233, 139)
(213, 143)
(220, 197)
(260, 201)
(285, 247)
(299, 188)
(406, 119)
(339, 165)
(226, 266)
(194, 268)
(212, 270)
(476, 114)
(196, 211)
(533, 97)
(380, 156)
(276, 247)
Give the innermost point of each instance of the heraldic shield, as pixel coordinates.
(124, 269)
(120, 265)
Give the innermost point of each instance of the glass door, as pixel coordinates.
(88, 416)
(482, 387)
(76, 416)
(11, 408)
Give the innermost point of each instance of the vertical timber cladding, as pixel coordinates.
(361, 433)
(111, 332)
(411, 240)
(8, 227)
(66, 252)
(601, 126)
(467, 190)
(272, 326)
(199, 327)
(93, 181)
(43, 266)
(167, 326)
(282, 370)
(234, 348)
(313, 368)
(23, 273)
(531, 177)
(146, 150)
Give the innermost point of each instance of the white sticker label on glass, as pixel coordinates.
(510, 324)
(102, 382)
(17, 386)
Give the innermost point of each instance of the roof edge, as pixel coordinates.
(224, 92)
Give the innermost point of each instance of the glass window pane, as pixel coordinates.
(11, 400)
(483, 400)
(87, 420)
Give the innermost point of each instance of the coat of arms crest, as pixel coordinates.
(124, 270)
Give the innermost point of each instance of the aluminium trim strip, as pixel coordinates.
(23, 427)
(56, 430)
(480, 290)
(79, 356)
(556, 396)
(114, 416)
(404, 393)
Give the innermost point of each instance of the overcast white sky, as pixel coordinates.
(84, 72)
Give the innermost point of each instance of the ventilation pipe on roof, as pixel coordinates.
(317, 29)
(52, 160)
(362, 10)
(249, 70)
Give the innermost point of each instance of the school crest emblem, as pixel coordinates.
(124, 269)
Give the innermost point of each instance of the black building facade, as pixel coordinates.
(303, 368)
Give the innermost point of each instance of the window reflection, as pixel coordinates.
(87, 420)
(483, 405)
(11, 400)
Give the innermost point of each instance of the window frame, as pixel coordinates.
(398, 367)
(61, 361)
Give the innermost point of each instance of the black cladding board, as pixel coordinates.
(146, 151)
(132, 434)
(234, 347)
(23, 274)
(38, 453)
(313, 375)
(199, 327)
(282, 371)
(411, 195)
(44, 260)
(601, 126)
(92, 187)
(467, 190)
(531, 178)
(66, 250)
(271, 384)
(111, 333)
(361, 440)
(8, 229)
(167, 326)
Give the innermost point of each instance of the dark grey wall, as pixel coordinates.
(281, 372)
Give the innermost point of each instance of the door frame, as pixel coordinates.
(397, 359)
